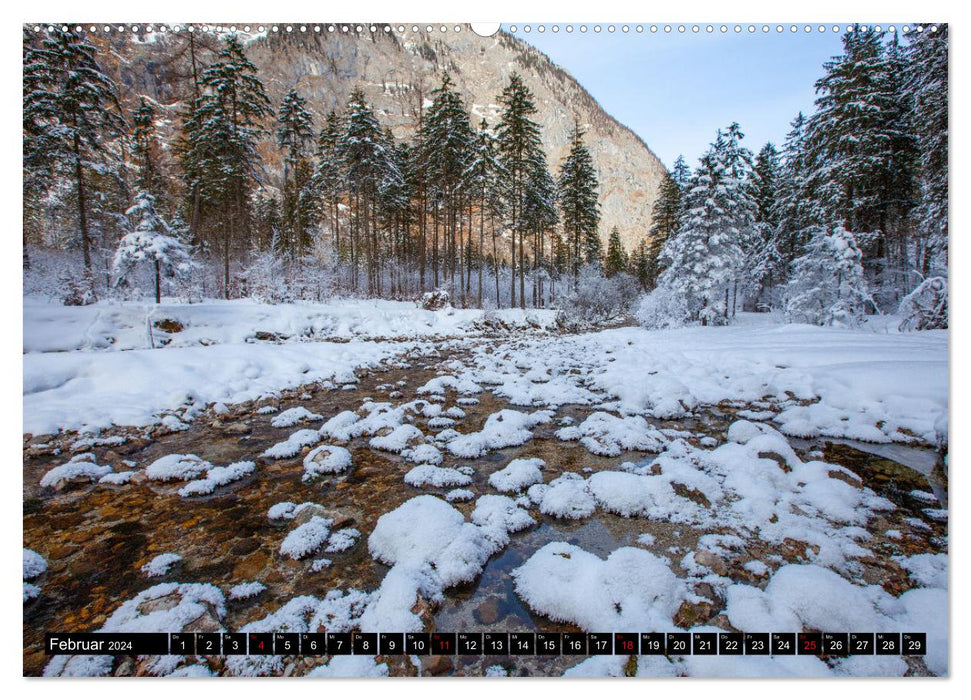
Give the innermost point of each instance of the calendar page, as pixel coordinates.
(485, 350)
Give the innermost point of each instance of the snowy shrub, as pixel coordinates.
(925, 307)
(662, 308)
(435, 301)
(77, 288)
(152, 241)
(827, 287)
(596, 299)
(264, 279)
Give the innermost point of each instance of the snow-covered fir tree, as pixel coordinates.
(328, 178)
(151, 241)
(219, 151)
(578, 197)
(616, 259)
(365, 156)
(765, 264)
(665, 218)
(70, 114)
(827, 286)
(863, 154)
(927, 75)
(519, 148)
(295, 136)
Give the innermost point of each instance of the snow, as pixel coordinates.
(811, 597)
(518, 475)
(117, 478)
(398, 439)
(243, 591)
(160, 565)
(423, 454)
(176, 467)
(293, 444)
(350, 667)
(437, 477)
(506, 428)
(342, 540)
(607, 435)
(79, 467)
(459, 495)
(326, 459)
(337, 611)
(865, 385)
(501, 515)
(292, 416)
(183, 603)
(307, 538)
(34, 564)
(927, 570)
(630, 591)
(566, 497)
(216, 477)
(430, 547)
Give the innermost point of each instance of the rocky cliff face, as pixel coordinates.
(398, 72)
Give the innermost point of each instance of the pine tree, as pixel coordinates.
(665, 218)
(482, 178)
(70, 112)
(144, 150)
(703, 258)
(219, 153)
(446, 151)
(519, 148)
(328, 177)
(152, 240)
(539, 217)
(928, 82)
(828, 287)
(579, 206)
(616, 260)
(365, 158)
(294, 136)
(765, 265)
(862, 150)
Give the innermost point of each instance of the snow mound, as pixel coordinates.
(326, 459)
(293, 444)
(567, 497)
(307, 538)
(292, 416)
(165, 607)
(518, 475)
(160, 565)
(176, 467)
(34, 564)
(437, 477)
(79, 467)
(216, 477)
(243, 591)
(631, 590)
(398, 439)
(500, 515)
(423, 454)
(607, 435)
(337, 611)
(342, 540)
(507, 428)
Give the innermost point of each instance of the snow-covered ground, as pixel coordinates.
(784, 541)
(226, 352)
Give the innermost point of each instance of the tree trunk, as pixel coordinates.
(82, 203)
(158, 282)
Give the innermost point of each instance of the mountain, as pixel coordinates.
(398, 72)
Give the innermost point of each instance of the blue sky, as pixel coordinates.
(675, 90)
